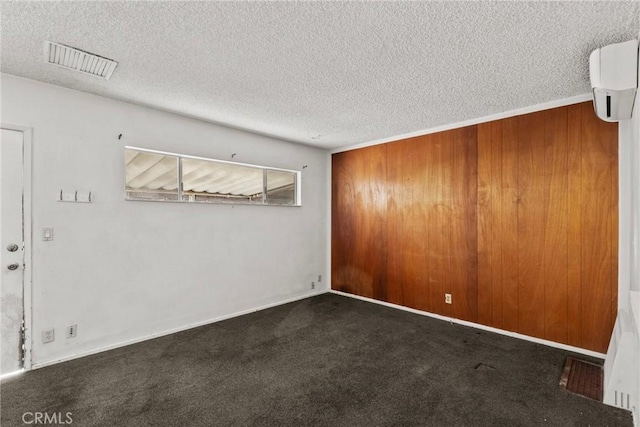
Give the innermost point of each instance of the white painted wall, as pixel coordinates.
(634, 140)
(124, 270)
(634, 282)
(622, 365)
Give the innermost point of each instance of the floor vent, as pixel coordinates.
(79, 60)
(583, 378)
(622, 400)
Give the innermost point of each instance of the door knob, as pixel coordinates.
(12, 247)
(13, 266)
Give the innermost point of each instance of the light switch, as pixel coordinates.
(47, 233)
(83, 196)
(75, 196)
(67, 196)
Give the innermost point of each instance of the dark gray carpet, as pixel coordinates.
(328, 360)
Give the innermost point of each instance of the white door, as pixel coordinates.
(11, 250)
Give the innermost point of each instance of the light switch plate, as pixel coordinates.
(67, 196)
(47, 233)
(84, 197)
(75, 196)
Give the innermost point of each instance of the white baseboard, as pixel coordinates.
(12, 374)
(37, 365)
(477, 326)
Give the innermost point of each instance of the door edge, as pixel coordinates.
(27, 140)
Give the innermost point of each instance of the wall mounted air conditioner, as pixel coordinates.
(614, 79)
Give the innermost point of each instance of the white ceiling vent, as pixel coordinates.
(79, 60)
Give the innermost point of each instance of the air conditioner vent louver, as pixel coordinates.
(79, 60)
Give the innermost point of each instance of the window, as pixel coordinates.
(152, 175)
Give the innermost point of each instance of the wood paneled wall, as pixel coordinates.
(516, 218)
(404, 222)
(547, 226)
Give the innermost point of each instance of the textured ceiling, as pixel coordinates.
(328, 74)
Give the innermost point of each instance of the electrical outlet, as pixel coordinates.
(447, 298)
(313, 285)
(72, 331)
(48, 335)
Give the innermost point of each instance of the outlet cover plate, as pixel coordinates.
(48, 335)
(72, 331)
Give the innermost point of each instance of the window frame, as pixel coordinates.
(297, 184)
